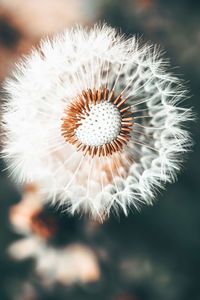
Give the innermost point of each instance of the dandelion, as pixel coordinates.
(94, 119)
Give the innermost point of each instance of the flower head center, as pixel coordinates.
(102, 126)
(97, 122)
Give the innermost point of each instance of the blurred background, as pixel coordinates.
(152, 255)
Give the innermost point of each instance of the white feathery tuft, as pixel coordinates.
(47, 81)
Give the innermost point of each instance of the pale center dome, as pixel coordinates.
(101, 126)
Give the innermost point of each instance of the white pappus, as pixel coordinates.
(94, 119)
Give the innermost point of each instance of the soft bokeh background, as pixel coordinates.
(152, 255)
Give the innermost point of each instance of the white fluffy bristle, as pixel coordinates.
(49, 142)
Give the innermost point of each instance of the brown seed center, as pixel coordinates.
(97, 122)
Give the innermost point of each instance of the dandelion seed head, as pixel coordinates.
(102, 126)
(95, 120)
(96, 123)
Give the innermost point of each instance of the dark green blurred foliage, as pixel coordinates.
(155, 254)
